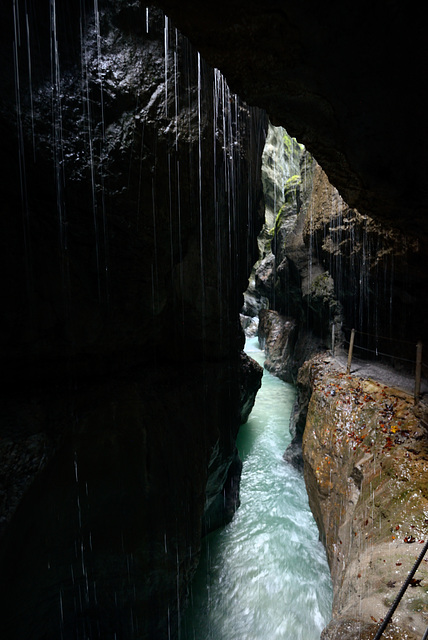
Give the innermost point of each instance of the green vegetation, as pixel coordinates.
(293, 148)
(291, 188)
(278, 219)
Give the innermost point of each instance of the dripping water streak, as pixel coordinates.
(176, 88)
(30, 84)
(87, 113)
(101, 154)
(166, 38)
(22, 163)
(201, 229)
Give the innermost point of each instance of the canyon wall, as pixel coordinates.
(365, 465)
(326, 268)
(130, 210)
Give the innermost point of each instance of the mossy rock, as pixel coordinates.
(293, 148)
(291, 189)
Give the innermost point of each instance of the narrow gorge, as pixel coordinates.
(359, 432)
(172, 175)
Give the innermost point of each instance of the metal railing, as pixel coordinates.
(400, 594)
(417, 362)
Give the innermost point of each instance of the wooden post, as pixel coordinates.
(332, 339)
(351, 348)
(418, 371)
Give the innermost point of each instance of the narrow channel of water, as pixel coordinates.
(265, 575)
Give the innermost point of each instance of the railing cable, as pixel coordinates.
(377, 336)
(380, 353)
(401, 593)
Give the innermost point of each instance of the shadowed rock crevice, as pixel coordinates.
(131, 206)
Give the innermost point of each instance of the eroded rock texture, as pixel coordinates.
(365, 465)
(277, 335)
(371, 271)
(130, 210)
(329, 268)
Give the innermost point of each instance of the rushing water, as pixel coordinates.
(265, 575)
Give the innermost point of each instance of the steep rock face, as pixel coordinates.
(291, 276)
(130, 214)
(365, 465)
(276, 336)
(133, 193)
(372, 270)
(333, 269)
(280, 164)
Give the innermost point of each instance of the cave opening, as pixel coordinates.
(131, 208)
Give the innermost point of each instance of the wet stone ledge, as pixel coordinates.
(365, 457)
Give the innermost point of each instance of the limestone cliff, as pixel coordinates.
(290, 276)
(365, 453)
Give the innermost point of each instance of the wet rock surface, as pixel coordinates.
(365, 452)
(103, 520)
(130, 212)
(277, 335)
(371, 272)
(357, 630)
(115, 235)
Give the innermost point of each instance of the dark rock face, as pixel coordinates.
(277, 335)
(371, 271)
(130, 213)
(138, 195)
(224, 467)
(113, 522)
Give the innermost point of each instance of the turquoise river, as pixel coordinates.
(265, 575)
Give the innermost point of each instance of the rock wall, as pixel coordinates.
(290, 276)
(133, 192)
(131, 206)
(373, 272)
(329, 269)
(365, 465)
(277, 335)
